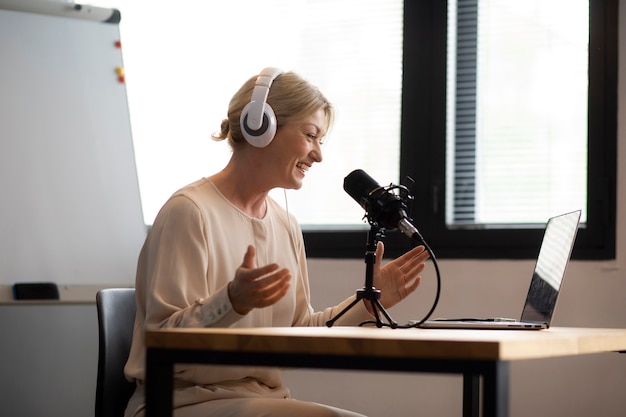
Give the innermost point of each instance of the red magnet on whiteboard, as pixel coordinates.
(118, 44)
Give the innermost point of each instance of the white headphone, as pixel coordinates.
(258, 122)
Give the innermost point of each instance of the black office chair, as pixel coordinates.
(116, 316)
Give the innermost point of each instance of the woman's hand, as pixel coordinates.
(257, 287)
(400, 277)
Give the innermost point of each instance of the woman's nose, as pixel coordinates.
(316, 153)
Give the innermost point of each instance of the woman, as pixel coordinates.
(222, 253)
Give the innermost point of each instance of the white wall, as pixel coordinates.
(48, 360)
(48, 353)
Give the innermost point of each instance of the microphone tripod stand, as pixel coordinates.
(369, 292)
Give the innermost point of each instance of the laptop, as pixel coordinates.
(554, 255)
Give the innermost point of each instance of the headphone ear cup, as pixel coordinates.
(261, 137)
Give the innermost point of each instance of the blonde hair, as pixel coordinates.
(291, 97)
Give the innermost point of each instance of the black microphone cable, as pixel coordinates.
(418, 237)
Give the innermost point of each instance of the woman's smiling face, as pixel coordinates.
(295, 148)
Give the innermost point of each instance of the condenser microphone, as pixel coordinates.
(383, 207)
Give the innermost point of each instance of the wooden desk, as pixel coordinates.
(471, 353)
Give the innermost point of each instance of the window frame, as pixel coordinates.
(423, 151)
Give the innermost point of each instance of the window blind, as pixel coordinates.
(520, 113)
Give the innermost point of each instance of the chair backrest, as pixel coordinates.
(116, 317)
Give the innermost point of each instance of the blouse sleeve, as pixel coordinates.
(174, 265)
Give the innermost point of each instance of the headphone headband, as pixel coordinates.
(259, 97)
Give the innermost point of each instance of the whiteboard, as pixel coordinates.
(70, 210)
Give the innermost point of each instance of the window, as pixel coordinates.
(392, 69)
(516, 146)
(468, 117)
(184, 63)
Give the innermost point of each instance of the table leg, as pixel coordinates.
(496, 390)
(471, 394)
(159, 385)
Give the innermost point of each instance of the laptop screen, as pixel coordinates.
(554, 255)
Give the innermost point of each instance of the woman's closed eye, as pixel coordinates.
(315, 137)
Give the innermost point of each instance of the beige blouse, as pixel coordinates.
(197, 242)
